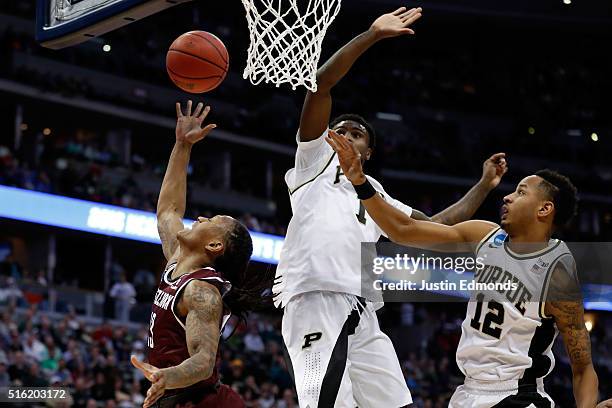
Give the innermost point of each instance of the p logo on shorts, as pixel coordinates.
(310, 338)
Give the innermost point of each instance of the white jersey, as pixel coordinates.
(322, 248)
(506, 335)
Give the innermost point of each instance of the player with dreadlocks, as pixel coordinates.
(205, 281)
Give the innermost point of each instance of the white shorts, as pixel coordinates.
(339, 355)
(500, 394)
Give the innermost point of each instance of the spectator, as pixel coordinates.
(253, 341)
(33, 348)
(5, 379)
(124, 294)
(288, 401)
(144, 283)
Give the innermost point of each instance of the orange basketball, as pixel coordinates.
(197, 62)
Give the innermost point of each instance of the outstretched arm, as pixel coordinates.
(317, 106)
(173, 193)
(202, 304)
(565, 306)
(398, 226)
(493, 169)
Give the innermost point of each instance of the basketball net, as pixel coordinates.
(286, 41)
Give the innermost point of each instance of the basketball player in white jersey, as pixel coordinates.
(339, 355)
(507, 336)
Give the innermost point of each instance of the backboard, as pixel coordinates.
(61, 23)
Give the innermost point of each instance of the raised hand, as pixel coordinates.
(349, 157)
(396, 23)
(189, 127)
(157, 378)
(493, 169)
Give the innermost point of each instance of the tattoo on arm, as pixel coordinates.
(167, 227)
(204, 308)
(564, 304)
(569, 317)
(464, 209)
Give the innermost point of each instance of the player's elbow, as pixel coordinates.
(324, 84)
(208, 367)
(399, 233)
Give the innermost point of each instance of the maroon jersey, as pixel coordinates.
(167, 342)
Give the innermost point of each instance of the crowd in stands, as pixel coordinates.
(456, 101)
(91, 359)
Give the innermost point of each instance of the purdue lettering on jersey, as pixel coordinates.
(518, 296)
(505, 335)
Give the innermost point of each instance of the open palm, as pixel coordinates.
(396, 23)
(189, 126)
(348, 156)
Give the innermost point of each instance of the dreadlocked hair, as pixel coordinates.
(248, 289)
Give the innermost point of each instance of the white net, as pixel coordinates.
(286, 40)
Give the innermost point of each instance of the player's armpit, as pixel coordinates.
(564, 304)
(168, 225)
(202, 304)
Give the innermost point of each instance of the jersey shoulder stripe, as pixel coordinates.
(291, 191)
(486, 239)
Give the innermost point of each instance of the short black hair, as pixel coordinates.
(359, 119)
(562, 193)
(247, 292)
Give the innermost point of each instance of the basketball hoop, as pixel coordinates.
(286, 41)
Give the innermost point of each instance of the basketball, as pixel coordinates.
(197, 61)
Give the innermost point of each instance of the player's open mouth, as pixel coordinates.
(503, 212)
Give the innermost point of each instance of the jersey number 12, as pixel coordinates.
(492, 320)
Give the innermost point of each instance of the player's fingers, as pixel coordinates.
(340, 141)
(179, 113)
(207, 129)
(189, 103)
(406, 31)
(332, 143)
(407, 13)
(137, 363)
(198, 109)
(205, 113)
(399, 11)
(156, 397)
(411, 19)
(413, 15)
(147, 369)
(497, 156)
(333, 135)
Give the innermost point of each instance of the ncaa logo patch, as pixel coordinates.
(499, 240)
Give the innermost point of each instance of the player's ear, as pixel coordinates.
(546, 209)
(368, 153)
(215, 246)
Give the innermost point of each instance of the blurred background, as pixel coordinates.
(96, 122)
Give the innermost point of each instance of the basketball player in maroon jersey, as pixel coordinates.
(204, 282)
